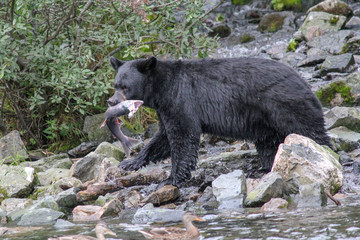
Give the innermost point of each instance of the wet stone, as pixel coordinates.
(275, 205)
(230, 196)
(15, 204)
(312, 195)
(149, 214)
(270, 186)
(40, 216)
(67, 198)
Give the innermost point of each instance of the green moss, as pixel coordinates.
(247, 38)
(328, 93)
(293, 44)
(333, 20)
(280, 5)
(240, 2)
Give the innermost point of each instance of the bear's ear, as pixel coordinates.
(147, 65)
(115, 63)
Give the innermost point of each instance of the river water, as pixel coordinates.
(331, 222)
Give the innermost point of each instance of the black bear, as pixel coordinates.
(243, 98)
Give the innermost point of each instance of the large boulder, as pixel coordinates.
(109, 150)
(301, 161)
(319, 23)
(230, 196)
(12, 149)
(52, 175)
(16, 181)
(335, 7)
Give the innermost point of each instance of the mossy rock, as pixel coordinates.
(221, 31)
(272, 22)
(245, 38)
(329, 92)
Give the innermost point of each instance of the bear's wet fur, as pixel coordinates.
(255, 99)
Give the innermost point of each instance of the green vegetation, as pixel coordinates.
(328, 93)
(293, 44)
(240, 2)
(54, 56)
(334, 20)
(280, 5)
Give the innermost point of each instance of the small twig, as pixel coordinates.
(337, 202)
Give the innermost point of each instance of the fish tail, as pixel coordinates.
(126, 148)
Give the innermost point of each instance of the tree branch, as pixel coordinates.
(59, 28)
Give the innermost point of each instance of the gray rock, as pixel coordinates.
(337, 63)
(67, 198)
(270, 186)
(353, 23)
(19, 181)
(226, 158)
(87, 168)
(301, 161)
(15, 204)
(46, 202)
(40, 216)
(347, 139)
(332, 42)
(92, 128)
(52, 175)
(149, 214)
(230, 189)
(319, 23)
(343, 116)
(12, 149)
(55, 161)
(109, 150)
(312, 195)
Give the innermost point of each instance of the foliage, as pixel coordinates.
(328, 93)
(54, 54)
(247, 38)
(293, 44)
(240, 2)
(280, 5)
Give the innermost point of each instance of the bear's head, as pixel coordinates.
(132, 79)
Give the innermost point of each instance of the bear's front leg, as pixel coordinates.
(184, 138)
(157, 149)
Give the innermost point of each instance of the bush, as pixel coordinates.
(54, 57)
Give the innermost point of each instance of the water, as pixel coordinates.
(329, 222)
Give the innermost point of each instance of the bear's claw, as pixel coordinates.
(131, 164)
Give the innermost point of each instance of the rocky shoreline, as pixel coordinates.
(86, 185)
